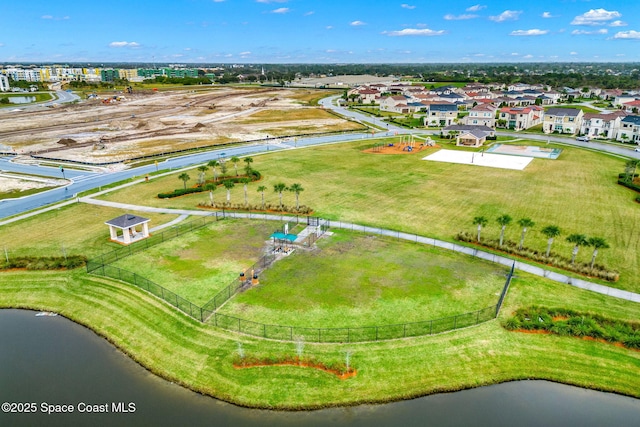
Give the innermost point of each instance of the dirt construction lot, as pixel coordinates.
(119, 127)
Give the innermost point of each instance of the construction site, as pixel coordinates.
(114, 128)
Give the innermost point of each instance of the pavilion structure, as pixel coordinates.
(132, 227)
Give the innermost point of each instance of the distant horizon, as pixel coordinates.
(327, 32)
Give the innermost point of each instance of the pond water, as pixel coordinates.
(53, 361)
(22, 99)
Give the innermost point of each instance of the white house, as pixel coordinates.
(602, 125)
(520, 118)
(440, 114)
(629, 130)
(482, 115)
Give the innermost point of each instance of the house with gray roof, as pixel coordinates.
(629, 130)
(562, 120)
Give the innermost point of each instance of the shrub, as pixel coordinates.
(44, 263)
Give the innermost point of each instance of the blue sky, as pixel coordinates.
(326, 31)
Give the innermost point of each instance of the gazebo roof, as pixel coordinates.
(126, 221)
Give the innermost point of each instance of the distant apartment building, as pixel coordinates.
(4, 83)
(151, 73)
(562, 120)
(129, 74)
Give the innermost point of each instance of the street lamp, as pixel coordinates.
(62, 170)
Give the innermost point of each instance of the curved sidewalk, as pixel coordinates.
(498, 259)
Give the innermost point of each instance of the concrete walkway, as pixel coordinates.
(498, 259)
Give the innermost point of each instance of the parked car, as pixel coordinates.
(637, 149)
(583, 138)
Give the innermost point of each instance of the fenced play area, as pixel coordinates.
(208, 312)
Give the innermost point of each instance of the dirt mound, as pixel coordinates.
(199, 126)
(67, 141)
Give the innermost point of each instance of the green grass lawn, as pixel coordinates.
(577, 192)
(199, 264)
(199, 356)
(353, 280)
(77, 229)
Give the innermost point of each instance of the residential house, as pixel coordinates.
(631, 106)
(367, 96)
(562, 120)
(629, 130)
(482, 115)
(602, 125)
(395, 104)
(519, 118)
(440, 114)
(620, 100)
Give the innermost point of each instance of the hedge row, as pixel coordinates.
(268, 207)
(566, 322)
(630, 185)
(44, 263)
(553, 259)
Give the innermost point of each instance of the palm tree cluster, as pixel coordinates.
(550, 231)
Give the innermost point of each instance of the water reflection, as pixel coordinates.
(53, 360)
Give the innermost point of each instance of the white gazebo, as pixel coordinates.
(128, 223)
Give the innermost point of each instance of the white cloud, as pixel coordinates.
(527, 57)
(55, 18)
(271, 1)
(450, 17)
(629, 35)
(618, 24)
(329, 27)
(281, 10)
(595, 17)
(547, 15)
(507, 15)
(124, 44)
(311, 12)
(188, 49)
(245, 53)
(407, 6)
(414, 32)
(532, 32)
(475, 8)
(573, 53)
(357, 23)
(585, 32)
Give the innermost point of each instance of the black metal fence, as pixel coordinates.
(357, 334)
(208, 312)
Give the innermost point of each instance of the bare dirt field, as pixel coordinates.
(119, 127)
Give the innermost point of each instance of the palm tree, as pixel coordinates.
(480, 221)
(503, 220)
(248, 161)
(297, 189)
(235, 161)
(596, 243)
(211, 188)
(525, 223)
(184, 177)
(202, 169)
(262, 189)
(228, 185)
(245, 182)
(551, 231)
(577, 240)
(279, 188)
(214, 164)
(630, 169)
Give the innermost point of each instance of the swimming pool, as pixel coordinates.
(282, 236)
